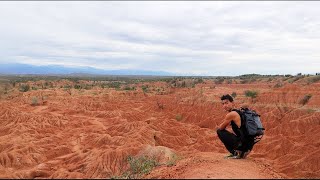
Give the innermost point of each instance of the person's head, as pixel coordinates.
(227, 102)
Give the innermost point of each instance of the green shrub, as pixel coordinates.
(115, 85)
(178, 117)
(234, 94)
(252, 94)
(144, 88)
(173, 160)
(24, 88)
(128, 88)
(138, 166)
(77, 86)
(199, 80)
(141, 165)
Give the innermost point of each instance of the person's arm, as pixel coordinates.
(229, 117)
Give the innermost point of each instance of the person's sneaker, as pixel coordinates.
(243, 154)
(232, 156)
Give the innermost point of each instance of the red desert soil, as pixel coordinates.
(208, 165)
(89, 133)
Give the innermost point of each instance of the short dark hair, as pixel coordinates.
(227, 97)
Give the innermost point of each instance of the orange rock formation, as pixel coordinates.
(89, 133)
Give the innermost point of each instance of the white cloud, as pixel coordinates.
(209, 38)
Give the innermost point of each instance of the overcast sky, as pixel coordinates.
(182, 37)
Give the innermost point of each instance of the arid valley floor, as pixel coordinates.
(83, 129)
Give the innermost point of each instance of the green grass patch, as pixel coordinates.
(179, 117)
(138, 166)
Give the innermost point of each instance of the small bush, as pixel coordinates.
(128, 88)
(229, 81)
(115, 85)
(138, 166)
(183, 85)
(278, 85)
(234, 94)
(144, 88)
(77, 86)
(24, 88)
(252, 94)
(172, 161)
(141, 165)
(87, 87)
(305, 99)
(311, 111)
(199, 80)
(178, 117)
(219, 81)
(67, 87)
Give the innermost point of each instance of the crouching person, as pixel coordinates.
(238, 145)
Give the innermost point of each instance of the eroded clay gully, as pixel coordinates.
(89, 133)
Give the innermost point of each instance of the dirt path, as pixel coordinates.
(213, 166)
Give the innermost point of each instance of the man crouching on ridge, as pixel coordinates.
(238, 146)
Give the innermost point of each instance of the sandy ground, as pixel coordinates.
(209, 165)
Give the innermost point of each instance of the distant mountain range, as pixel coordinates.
(17, 68)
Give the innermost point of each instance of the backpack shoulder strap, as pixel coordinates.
(238, 111)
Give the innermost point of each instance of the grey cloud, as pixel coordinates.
(181, 37)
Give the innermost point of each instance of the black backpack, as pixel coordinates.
(251, 125)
